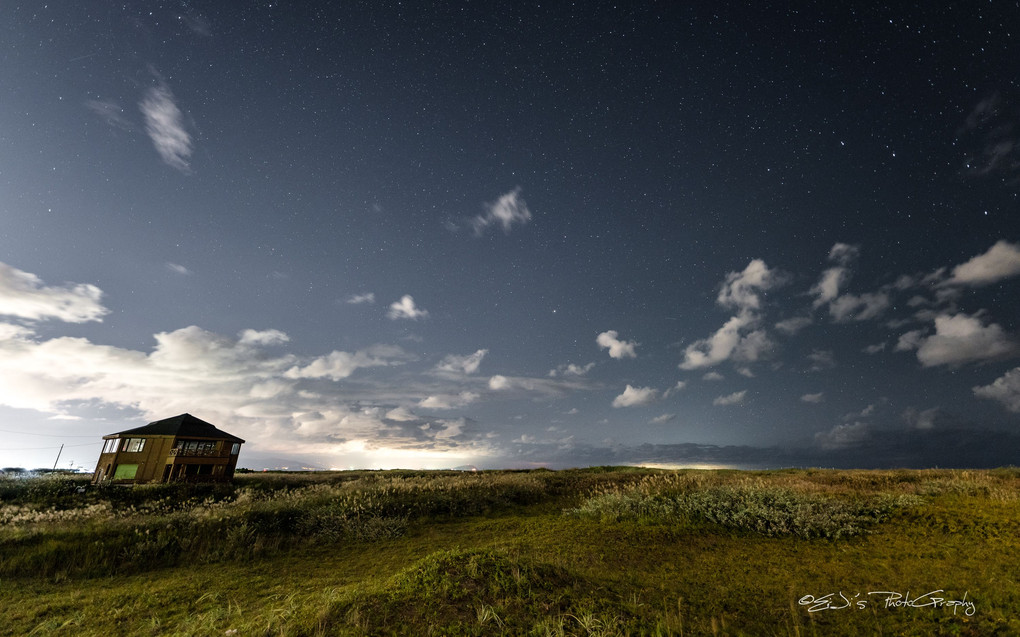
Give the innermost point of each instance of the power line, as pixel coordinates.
(86, 444)
(49, 435)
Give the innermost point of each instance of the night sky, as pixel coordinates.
(495, 234)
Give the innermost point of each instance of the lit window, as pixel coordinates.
(111, 445)
(134, 445)
(235, 449)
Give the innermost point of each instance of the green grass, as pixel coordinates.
(608, 551)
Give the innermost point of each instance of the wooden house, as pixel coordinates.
(178, 449)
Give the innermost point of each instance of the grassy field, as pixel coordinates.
(602, 551)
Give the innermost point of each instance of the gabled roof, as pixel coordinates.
(185, 425)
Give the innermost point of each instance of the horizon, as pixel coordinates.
(381, 236)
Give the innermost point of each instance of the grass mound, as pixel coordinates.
(477, 592)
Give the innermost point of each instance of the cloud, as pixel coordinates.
(1005, 390)
(920, 419)
(680, 385)
(406, 309)
(179, 269)
(742, 289)
(713, 376)
(844, 253)
(24, 295)
(843, 436)
(635, 396)
(958, 339)
(111, 112)
(794, 324)
(339, 365)
(358, 299)
(821, 360)
(728, 342)
(851, 307)
(735, 398)
(448, 401)
(664, 418)
(813, 398)
(874, 349)
(617, 348)
(462, 364)
(509, 209)
(571, 370)
(401, 414)
(1000, 262)
(165, 127)
(264, 337)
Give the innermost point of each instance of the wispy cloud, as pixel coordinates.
(454, 364)
(813, 398)
(164, 123)
(405, 308)
(358, 299)
(111, 112)
(23, 295)
(506, 211)
(571, 369)
(664, 418)
(178, 268)
(735, 398)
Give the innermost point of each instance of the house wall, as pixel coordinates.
(151, 463)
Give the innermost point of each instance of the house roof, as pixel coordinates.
(184, 425)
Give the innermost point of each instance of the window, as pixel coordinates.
(134, 445)
(125, 472)
(235, 449)
(111, 445)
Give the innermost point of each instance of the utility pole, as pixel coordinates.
(58, 457)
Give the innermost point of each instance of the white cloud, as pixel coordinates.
(827, 288)
(616, 347)
(448, 401)
(713, 376)
(178, 268)
(813, 398)
(401, 414)
(959, 339)
(1005, 389)
(742, 289)
(509, 209)
(664, 418)
(794, 324)
(571, 370)
(264, 337)
(406, 309)
(358, 299)
(165, 127)
(851, 307)
(635, 396)
(680, 385)
(1000, 262)
(844, 253)
(735, 398)
(728, 342)
(498, 382)
(874, 349)
(24, 295)
(339, 365)
(453, 364)
(843, 435)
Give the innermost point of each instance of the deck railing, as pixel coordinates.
(203, 453)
